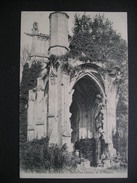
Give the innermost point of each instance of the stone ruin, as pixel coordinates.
(69, 107)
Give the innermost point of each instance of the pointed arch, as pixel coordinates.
(93, 78)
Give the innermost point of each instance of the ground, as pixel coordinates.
(82, 171)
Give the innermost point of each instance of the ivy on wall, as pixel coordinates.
(29, 81)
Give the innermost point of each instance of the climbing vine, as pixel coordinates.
(29, 81)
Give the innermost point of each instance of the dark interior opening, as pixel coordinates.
(83, 109)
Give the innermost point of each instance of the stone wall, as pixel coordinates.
(40, 46)
(50, 114)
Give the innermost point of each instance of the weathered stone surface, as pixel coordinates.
(31, 111)
(68, 107)
(58, 33)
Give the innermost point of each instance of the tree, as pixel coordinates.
(122, 114)
(97, 40)
(25, 56)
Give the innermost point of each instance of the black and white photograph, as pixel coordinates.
(73, 100)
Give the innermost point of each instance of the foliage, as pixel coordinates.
(54, 58)
(118, 162)
(121, 136)
(29, 81)
(31, 154)
(25, 56)
(122, 113)
(37, 155)
(87, 148)
(96, 40)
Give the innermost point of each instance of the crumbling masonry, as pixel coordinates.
(64, 106)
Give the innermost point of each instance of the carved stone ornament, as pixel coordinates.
(99, 99)
(35, 26)
(35, 29)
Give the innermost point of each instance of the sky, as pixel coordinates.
(119, 20)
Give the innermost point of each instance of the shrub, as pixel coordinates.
(118, 162)
(87, 148)
(31, 154)
(38, 155)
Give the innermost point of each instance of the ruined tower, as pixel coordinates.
(58, 44)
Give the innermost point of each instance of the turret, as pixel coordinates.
(58, 44)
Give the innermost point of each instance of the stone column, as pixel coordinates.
(99, 125)
(66, 102)
(58, 33)
(111, 104)
(31, 121)
(98, 151)
(40, 118)
(105, 125)
(52, 114)
(33, 47)
(45, 114)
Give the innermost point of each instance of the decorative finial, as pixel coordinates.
(35, 29)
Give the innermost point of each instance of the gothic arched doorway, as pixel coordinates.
(86, 107)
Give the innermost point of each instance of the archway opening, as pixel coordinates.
(85, 108)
